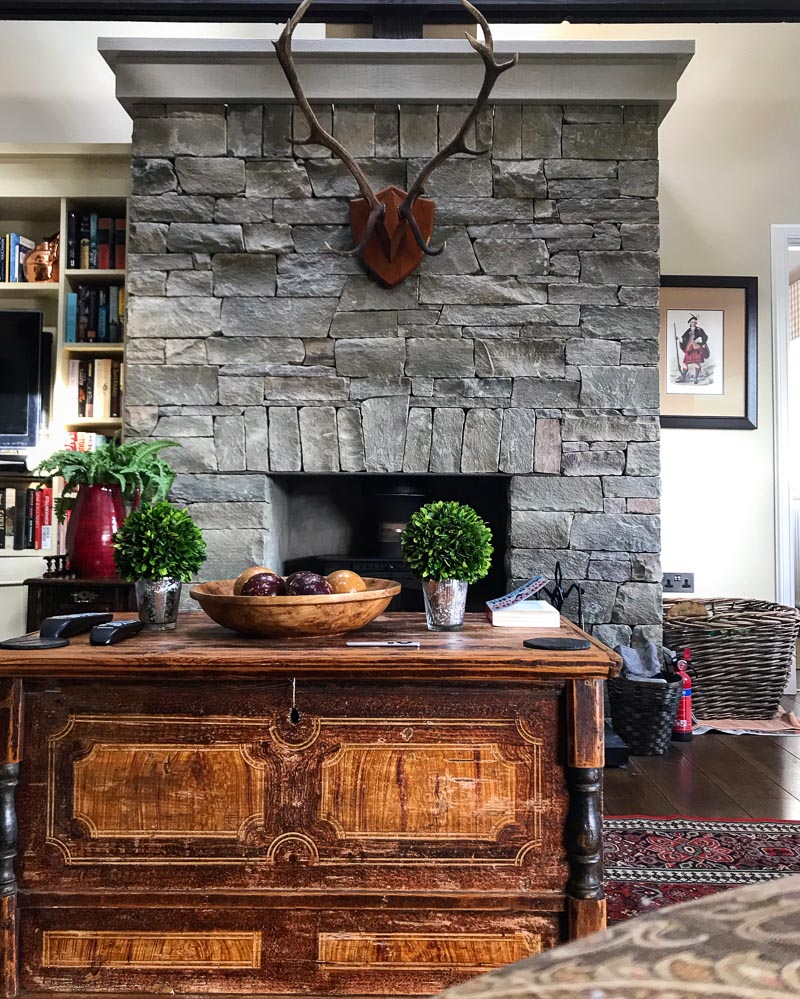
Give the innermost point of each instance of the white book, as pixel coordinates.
(102, 388)
(72, 385)
(525, 614)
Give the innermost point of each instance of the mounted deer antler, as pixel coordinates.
(393, 228)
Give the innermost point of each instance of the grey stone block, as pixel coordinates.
(250, 209)
(570, 169)
(332, 179)
(506, 256)
(456, 178)
(621, 322)
(151, 262)
(481, 442)
(245, 127)
(313, 264)
(582, 210)
(151, 384)
(300, 131)
(376, 387)
(611, 569)
(387, 132)
(141, 420)
(305, 211)
(185, 426)
(370, 356)
(519, 179)
(458, 256)
(638, 178)
(145, 351)
(593, 463)
(153, 176)
(429, 357)
(318, 439)
(616, 533)
(547, 455)
(587, 351)
(298, 389)
(507, 132)
(621, 267)
(528, 562)
(361, 324)
(284, 439)
(243, 274)
(639, 237)
(229, 443)
(210, 175)
(219, 488)
(418, 131)
(541, 358)
(351, 440)
(644, 506)
(556, 493)
(643, 459)
(417, 453)
(254, 350)
(609, 427)
(582, 294)
(311, 286)
(202, 135)
(189, 283)
(194, 455)
(478, 289)
(172, 317)
(277, 179)
(277, 130)
(638, 603)
(612, 635)
(541, 131)
(488, 211)
(545, 210)
(241, 390)
(153, 283)
(184, 351)
(617, 387)
(451, 117)
(536, 529)
(516, 444)
(276, 316)
(448, 433)
(593, 187)
(233, 515)
(361, 293)
(384, 425)
(565, 265)
(319, 351)
(592, 113)
(317, 238)
(256, 439)
(633, 486)
(171, 208)
(610, 141)
(148, 237)
(470, 388)
(509, 315)
(545, 393)
(209, 238)
(639, 296)
(646, 568)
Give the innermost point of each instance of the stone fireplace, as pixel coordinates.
(527, 351)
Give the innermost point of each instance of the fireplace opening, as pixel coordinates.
(329, 522)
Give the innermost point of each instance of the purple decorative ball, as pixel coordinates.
(304, 583)
(265, 584)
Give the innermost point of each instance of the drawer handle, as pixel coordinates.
(85, 597)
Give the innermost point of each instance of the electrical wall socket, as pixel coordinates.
(678, 582)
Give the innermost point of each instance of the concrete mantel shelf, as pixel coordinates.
(388, 71)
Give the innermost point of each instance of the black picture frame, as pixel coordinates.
(749, 419)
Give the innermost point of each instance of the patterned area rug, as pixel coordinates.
(651, 863)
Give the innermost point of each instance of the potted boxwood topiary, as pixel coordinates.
(447, 545)
(158, 548)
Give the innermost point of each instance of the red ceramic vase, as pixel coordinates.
(98, 513)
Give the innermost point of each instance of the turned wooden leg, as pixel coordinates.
(586, 901)
(10, 723)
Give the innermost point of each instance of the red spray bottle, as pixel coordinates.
(682, 729)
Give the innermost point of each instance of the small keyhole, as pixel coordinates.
(294, 716)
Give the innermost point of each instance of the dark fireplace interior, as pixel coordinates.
(328, 522)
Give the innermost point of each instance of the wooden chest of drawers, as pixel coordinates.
(430, 815)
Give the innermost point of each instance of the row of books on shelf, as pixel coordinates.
(95, 242)
(84, 440)
(13, 250)
(95, 315)
(26, 518)
(95, 386)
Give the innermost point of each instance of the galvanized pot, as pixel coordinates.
(445, 603)
(158, 601)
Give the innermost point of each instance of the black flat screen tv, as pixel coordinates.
(25, 361)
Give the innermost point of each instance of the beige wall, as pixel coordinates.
(730, 167)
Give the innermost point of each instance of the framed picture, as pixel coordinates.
(709, 352)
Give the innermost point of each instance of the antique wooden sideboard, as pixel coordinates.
(423, 815)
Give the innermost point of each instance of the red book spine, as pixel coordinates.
(119, 244)
(37, 518)
(47, 518)
(104, 243)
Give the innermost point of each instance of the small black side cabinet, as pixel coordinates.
(47, 597)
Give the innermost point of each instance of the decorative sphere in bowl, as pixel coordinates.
(264, 584)
(345, 581)
(305, 583)
(254, 570)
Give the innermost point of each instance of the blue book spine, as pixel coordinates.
(102, 315)
(3, 249)
(71, 331)
(13, 258)
(93, 240)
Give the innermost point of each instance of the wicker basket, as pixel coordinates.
(741, 655)
(644, 713)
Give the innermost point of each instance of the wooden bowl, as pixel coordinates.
(293, 617)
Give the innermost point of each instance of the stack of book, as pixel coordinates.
(95, 315)
(95, 387)
(95, 242)
(13, 250)
(26, 518)
(83, 440)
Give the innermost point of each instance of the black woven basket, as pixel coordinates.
(644, 713)
(741, 655)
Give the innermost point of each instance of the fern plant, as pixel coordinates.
(159, 542)
(447, 540)
(134, 466)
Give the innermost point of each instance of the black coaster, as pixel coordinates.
(29, 642)
(557, 644)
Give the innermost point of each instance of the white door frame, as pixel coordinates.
(783, 237)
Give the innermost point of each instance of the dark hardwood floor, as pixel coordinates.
(714, 776)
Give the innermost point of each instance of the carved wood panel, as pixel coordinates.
(348, 951)
(150, 951)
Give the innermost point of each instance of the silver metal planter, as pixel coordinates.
(158, 601)
(445, 603)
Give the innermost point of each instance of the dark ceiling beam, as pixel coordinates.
(432, 11)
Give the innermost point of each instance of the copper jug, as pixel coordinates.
(41, 264)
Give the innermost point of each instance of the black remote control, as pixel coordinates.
(114, 631)
(557, 644)
(67, 625)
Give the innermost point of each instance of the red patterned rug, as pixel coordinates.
(653, 862)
